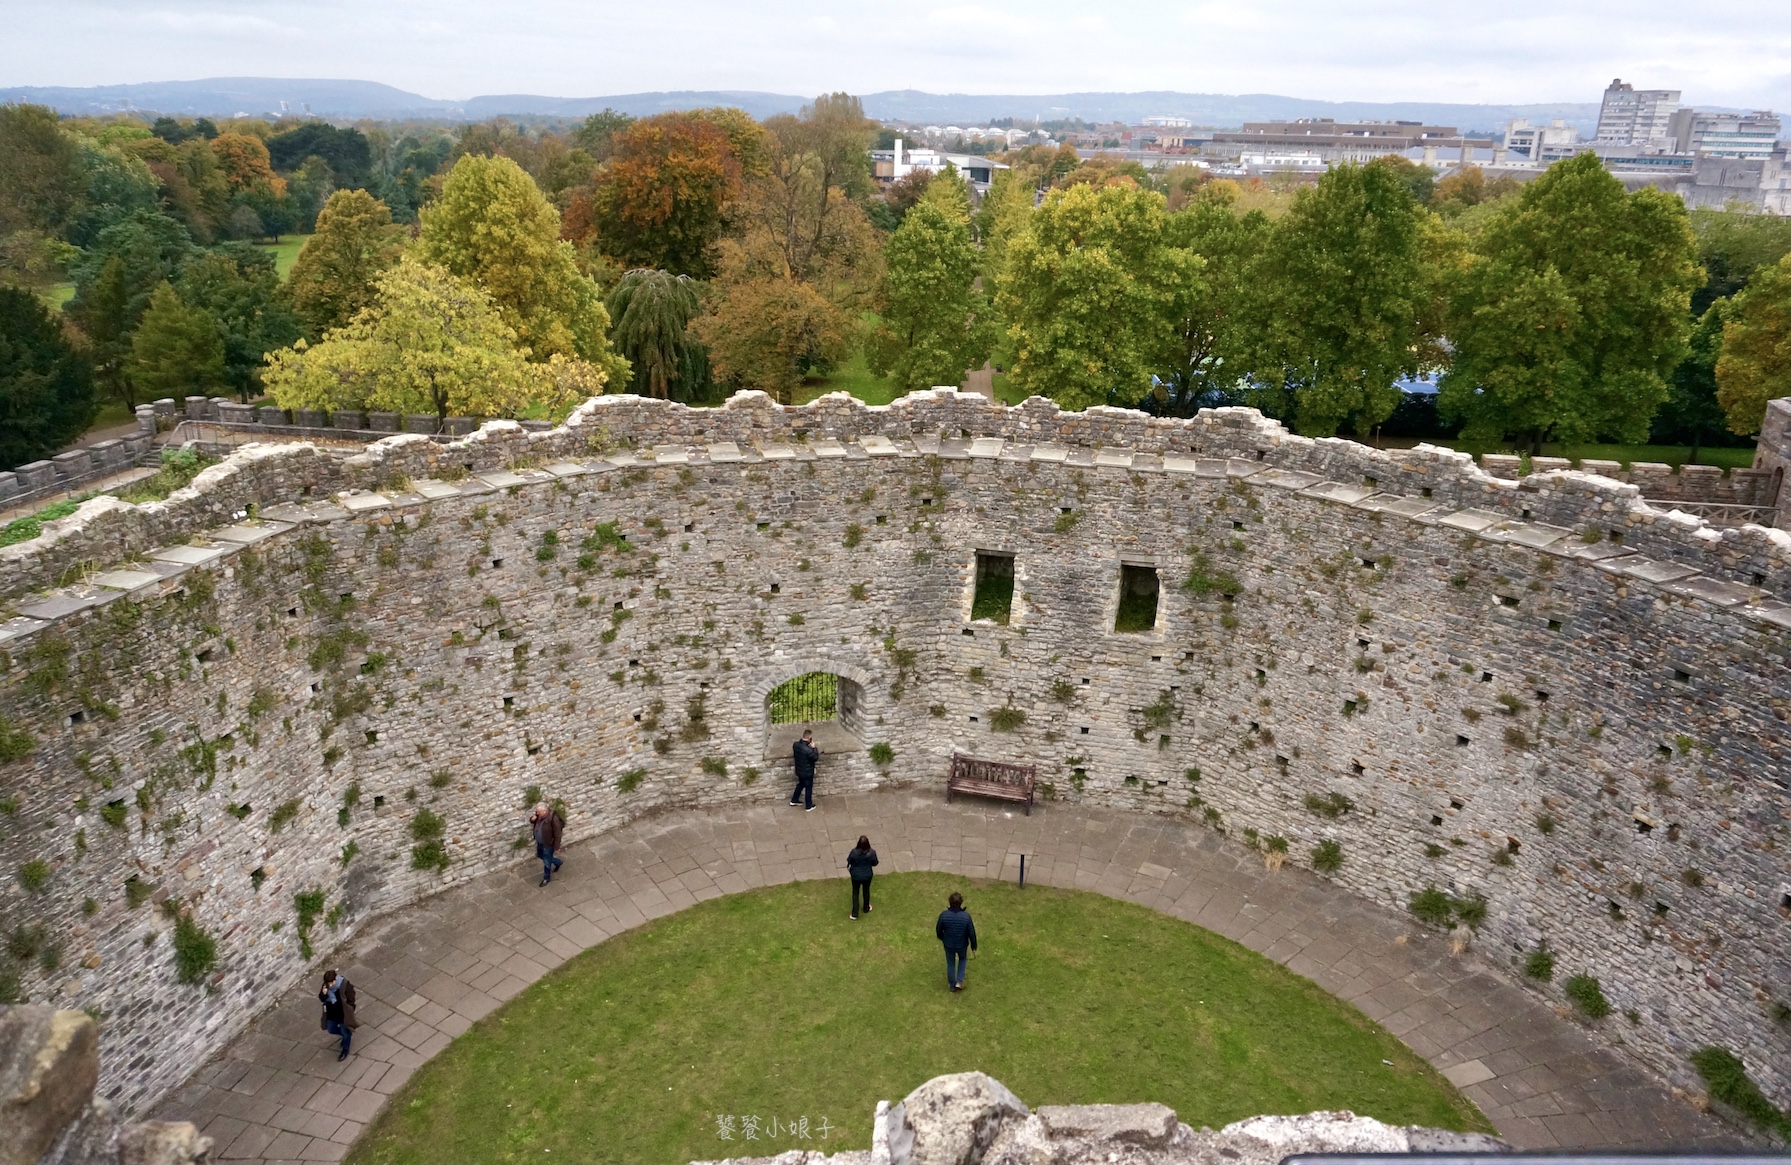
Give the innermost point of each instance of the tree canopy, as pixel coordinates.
(936, 324)
(176, 350)
(1755, 365)
(495, 229)
(335, 274)
(1572, 312)
(431, 343)
(46, 386)
(652, 311)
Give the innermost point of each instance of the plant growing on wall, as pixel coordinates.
(1332, 805)
(309, 905)
(429, 852)
(1728, 1080)
(882, 755)
(631, 780)
(1587, 996)
(15, 742)
(1327, 857)
(1006, 718)
(1540, 963)
(195, 950)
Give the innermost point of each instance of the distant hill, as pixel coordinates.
(261, 96)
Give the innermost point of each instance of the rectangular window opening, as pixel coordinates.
(994, 597)
(1137, 599)
(1681, 677)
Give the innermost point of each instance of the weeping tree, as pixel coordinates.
(650, 311)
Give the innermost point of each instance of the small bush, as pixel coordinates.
(34, 875)
(426, 829)
(1692, 877)
(137, 891)
(1431, 906)
(748, 776)
(1540, 963)
(1331, 805)
(715, 766)
(1006, 718)
(309, 905)
(195, 951)
(1728, 1081)
(113, 813)
(882, 755)
(1588, 996)
(283, 815)
(854, 535)
(15, 742)
(631, 780)
(1067, 521)
(1327, 857)
(440, 779)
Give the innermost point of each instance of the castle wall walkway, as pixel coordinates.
(426, 973)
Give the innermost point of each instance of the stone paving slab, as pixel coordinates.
(428, 972)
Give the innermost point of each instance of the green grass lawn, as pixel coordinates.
(286, 252)
(855, 377)
(773, 1004)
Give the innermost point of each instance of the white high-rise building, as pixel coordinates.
(1726, 135)
(1637, 117)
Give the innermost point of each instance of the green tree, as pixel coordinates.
(431, 343)
(494, 228)
(1755, 365)
(113, 282)
(1342, 296)
(238, 287)
(176, 350)
(1573, 311)
(46, 386)
(1733, 243)
(1691, 413)
(936, 323)
(1003, 215)
(337, 270)
(41, 184)
(768, 332)
(1198, 357)
(652, 311)
(1084, 294)
(597, 135)
(663, 200)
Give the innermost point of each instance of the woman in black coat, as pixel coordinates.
(859, 863)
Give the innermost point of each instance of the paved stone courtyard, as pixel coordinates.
(426, 973)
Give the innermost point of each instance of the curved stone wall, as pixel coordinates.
(1543, 693)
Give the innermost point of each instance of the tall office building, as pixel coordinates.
(1637, 117)
(1726, 135)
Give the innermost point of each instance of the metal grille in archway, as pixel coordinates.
(807, 698)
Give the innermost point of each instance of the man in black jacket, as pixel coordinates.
(958, 935)
(806, 755)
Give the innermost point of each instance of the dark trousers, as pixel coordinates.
(805, 789)
(338, 1028)
(858, 888)
(954, 966)
(549, 863)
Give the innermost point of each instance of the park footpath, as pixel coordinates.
(428, 972)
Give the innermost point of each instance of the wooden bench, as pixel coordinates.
(991, 778)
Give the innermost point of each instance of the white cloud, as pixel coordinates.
(1377, 50)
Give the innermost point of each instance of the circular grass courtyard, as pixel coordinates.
(772, 1010)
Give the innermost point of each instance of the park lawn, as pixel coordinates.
(772, 1004)
(854, 376)
(286, 252)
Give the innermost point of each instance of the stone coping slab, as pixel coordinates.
(129, 581)
(1713, 590)
(189, 555)
(723, 451)
(1648, 569)
(57, 606)
(670, 454)
(501, 478)
(435, 490)
(20, 626)
(1114, 459)
(364, 503)
(1404, 507)
(1336, 491)
(1535, 535)
(1471, 520)
(248, 533)
(987, 447)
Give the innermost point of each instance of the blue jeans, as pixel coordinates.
(549, 863)
(954, 966)
(338, 1028)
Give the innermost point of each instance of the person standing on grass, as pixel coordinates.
(549, 827)
(337, 998)
(859, 864)
(806, 755)
(958, 935)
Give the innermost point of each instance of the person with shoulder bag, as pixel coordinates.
(338, 1002)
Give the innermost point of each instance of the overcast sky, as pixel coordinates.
(1738, 53)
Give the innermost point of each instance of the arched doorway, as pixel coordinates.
(824, 702)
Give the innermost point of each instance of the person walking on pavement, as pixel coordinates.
(337, 998)
(806, 755)
(859, 863)
(549, 826)
(958, 935)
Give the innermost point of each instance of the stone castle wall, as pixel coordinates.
(1541, 692)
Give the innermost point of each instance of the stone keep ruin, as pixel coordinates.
(330, 683)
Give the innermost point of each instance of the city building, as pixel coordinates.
(1637, 117)
(1725, 135)
(1540, 143)
(1167, 122)
(893, 165)
(1342, 141)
